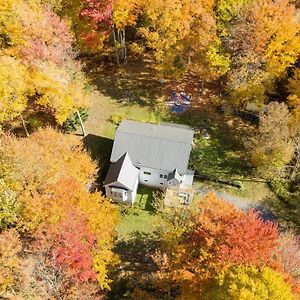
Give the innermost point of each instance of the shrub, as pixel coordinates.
(116, 119)
(72, 123)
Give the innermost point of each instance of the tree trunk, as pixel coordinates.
(189, 56)
(115, 43)
(81, 123)
(124, 46)
(296, 168)
(24, 126)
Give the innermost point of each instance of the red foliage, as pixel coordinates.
(71, 242)
(49, 41)
(248, 239)
(98, 11)
(233, 236)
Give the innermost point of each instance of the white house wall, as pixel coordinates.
(133, 194)
(188, 179)
(153, 179)
(130, 194)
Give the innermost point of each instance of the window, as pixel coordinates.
(165, 176)
(147, 173)
(161, 183)
(161, 176)
(146, 180)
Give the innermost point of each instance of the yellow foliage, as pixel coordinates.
(52, 78)
(44, 159)
(283, 28)
(178, 30)
(218, 61)
(10, 28)
(14, 80)
(58, 91)
(250, 283)
(10, 246)
(125, 12)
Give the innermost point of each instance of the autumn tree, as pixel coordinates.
(63, 260)
(262, 40)
(14, 89)
(55, 205)
(219, 236)
(288, 253)
(48, 174)
(172, 29)
(249, 282)
(10, 207)
(10, 247)
(45, 158)
(272, 147)
(45, 77)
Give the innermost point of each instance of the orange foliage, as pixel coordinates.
(43, 159)
(221, 236)
(52, 208)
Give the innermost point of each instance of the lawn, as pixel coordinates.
(102, 108)
(139, 218)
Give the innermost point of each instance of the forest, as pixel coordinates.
(71, 71)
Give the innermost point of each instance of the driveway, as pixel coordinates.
(240, 202)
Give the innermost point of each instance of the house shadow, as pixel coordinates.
(99, 148)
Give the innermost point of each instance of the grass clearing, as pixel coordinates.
(133, 221)
(103, 107)
(140, 217)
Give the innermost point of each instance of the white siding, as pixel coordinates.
(152, 177)
(133, 193)
(109, 194)
(188, 179)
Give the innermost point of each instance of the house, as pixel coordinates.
(151, 155)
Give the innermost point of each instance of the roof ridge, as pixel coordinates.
(157, 138)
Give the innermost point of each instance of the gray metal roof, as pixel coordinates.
(122, 171)
(165, 147)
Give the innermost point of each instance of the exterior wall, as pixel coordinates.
(133, 193)
(188, 178)
(154, 178)
(108, 191)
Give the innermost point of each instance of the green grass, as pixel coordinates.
(144, 198)
(249, 191)
(133, 221)
(138, 218)
(132, 112)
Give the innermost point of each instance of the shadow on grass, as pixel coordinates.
(144, 198)
(100, 149)
(128, 84)
(136, 266)
(286, 213)
(224, 153)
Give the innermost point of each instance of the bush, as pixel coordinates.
(34, 122)
(72, 123)
(116, 119)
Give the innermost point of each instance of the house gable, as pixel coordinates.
(122, 173)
